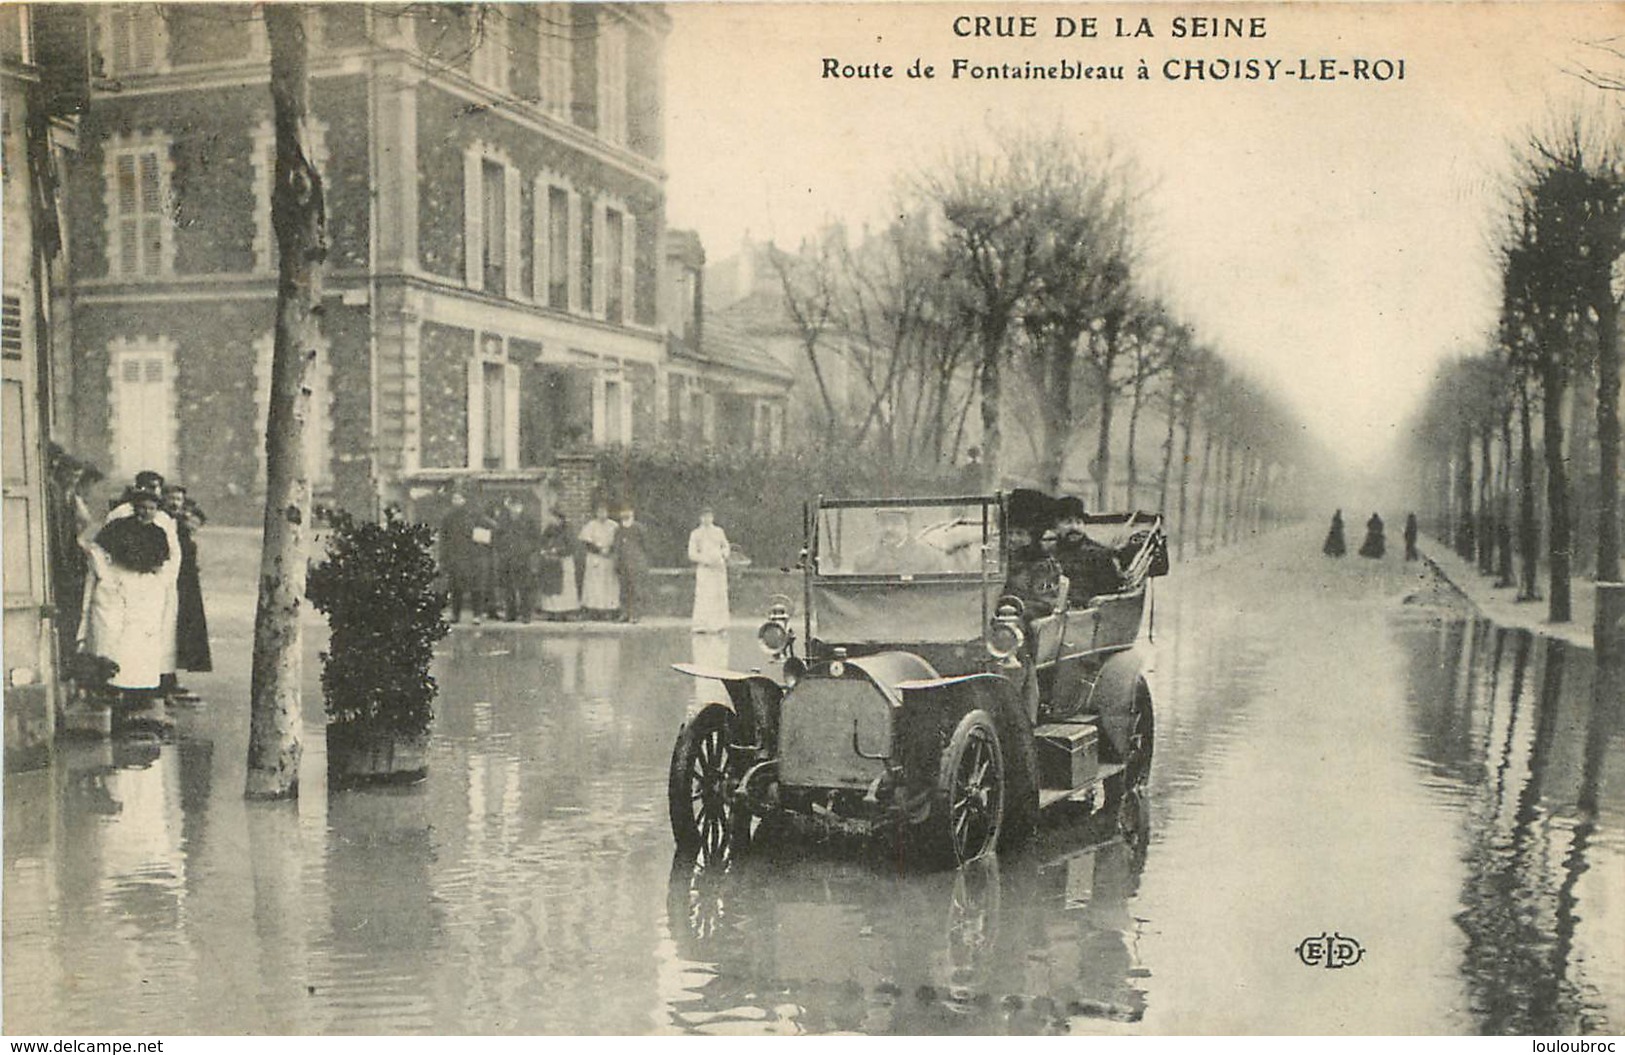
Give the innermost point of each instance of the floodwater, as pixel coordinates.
(1341, 751)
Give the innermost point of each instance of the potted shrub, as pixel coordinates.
(377, 587)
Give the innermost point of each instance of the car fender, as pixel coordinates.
(1113, 695)
(754, 698)
(932, 707)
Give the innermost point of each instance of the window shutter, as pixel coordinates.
(143, 23)
(127, 200)
(510, 183)
(510, 416)
(574, 254)
(473, 232)
(540, 216)
(476, 414)
(120, 29)
(629, 271)
(600, 240)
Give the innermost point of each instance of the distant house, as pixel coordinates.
(495, 195)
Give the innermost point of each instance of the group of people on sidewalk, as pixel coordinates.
(509, 563)
(129, 594)
(1375, 545)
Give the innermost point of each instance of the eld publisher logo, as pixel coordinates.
(1331, 951)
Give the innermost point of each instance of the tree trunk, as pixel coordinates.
(992, 392)
(1057, 403)
(1131, 463)
(298, 219)
(1103, 444)
(1185, 475)
(1552, 387)
(1528, 530)
(1506, 575)
(1486, 521)
(1466, 533)
(1608, 439)
(1167, 455)
(1201, 487)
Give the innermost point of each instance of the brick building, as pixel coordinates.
(496, 213)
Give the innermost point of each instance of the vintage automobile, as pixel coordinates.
(926, 697)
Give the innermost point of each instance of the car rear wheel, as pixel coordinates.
(705, 771)
(970, 790)
(1141, 742)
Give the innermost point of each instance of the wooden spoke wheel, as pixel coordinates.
(705, 770)
(970, 790)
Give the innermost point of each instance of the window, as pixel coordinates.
(493, 255)
(612, 425)
(140, 233)
(11, 332)
(490, 222)
(612, 80)
(553, 222)
(265, 254)
(142, 376)
(556, 42)
(319, 419)
(134, 39)
(493, 407)
(490, 59)
(610, 262)
(614, 258)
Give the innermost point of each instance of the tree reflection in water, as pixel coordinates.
(1523, 729)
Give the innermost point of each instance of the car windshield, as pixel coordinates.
(906, 540)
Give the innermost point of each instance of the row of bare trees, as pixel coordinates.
(1555, 356)
(1011, 282)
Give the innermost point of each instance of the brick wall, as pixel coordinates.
(576, 488)
(445, 353)
(217, 440)
(212, 191)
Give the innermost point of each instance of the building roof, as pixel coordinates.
(724, 346)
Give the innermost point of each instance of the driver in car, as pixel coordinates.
(898, 552)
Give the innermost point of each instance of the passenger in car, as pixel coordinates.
(1035, 576)
(897, 551)
(1091, 567)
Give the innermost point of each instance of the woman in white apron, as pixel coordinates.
(128, 615)
(600, 586)
(708, 549)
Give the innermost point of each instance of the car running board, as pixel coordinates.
(1048, 797)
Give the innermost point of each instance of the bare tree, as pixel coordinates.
(993, 241)
(299, 221)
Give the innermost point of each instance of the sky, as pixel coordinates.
(1334, 238)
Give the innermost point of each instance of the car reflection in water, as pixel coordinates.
(808, 932)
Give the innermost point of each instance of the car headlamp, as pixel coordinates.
(837, 666)
(1003, 638)
(774, 637)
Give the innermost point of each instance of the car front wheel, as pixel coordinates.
(705, 770)
(970, 791)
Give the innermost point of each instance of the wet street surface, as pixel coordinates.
(1341, 750)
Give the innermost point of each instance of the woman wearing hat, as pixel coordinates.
(133, 565)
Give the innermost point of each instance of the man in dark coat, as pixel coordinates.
(516, 544)
(1091, 568)
(191, 624)
(465, 561)
(631, 564)
(1411, 531)
(1334, 545)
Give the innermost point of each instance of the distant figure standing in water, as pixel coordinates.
(708, 549)
(1374, 545)
(1410, 537)
(1335, 545)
